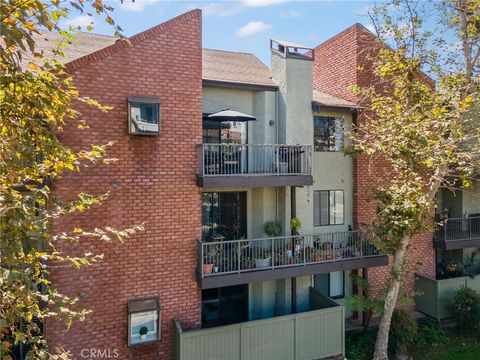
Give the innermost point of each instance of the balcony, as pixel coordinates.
(226, 263)
(432, 295)
(457, 233)
(252, 165)
(315, 334)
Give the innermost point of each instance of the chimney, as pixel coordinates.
(292, 66)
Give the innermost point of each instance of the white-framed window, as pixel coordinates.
(143, 116)
(143, 321)
(328, 207)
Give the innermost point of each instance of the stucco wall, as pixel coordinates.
(260, 104)
(331, 171)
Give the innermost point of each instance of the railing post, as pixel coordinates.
(272, 244)
(202, 257)
(445, 230)
(469, 228)
(239, 255)
(359, 237)
(201, 161)
(303, 245)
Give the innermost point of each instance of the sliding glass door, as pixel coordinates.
(224, 215)
(224, 306)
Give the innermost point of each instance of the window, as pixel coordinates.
(331, 284)
(328, 207)
(144, 116)
(224, 215)
(328, 133)
(143, 321)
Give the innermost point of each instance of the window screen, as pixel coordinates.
(328, 207)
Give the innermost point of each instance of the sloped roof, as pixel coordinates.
(235, 67)
(218, 65)
(85, 44)
(327, 100)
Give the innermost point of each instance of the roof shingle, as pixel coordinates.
(218, 65)
(235, 67)
(85, 44)
(327, 100)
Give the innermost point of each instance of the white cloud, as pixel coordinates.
(135, 6)
(79, 21)
(252, 28)
(259, 3)
(221, 9)
(363, 11)
(291, 14)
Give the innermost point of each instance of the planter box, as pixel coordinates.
(263, 263)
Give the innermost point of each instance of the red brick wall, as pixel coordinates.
(153, 182)
(335, 67)
(340, 62)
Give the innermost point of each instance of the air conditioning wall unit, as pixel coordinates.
(143, 115)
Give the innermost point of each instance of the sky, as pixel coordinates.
(244, 25)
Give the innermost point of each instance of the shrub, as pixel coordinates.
(429, 333)
(273, 228)
(295, 225)
(360, 347)
(465, 309)
(403, 331)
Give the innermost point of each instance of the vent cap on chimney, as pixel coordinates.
(291, 50)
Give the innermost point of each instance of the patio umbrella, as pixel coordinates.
(210, 124)
(230, 115)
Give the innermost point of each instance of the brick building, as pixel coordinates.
(341, 62)
(219, 270)
(153, 175)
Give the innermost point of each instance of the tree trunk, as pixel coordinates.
(381, 345)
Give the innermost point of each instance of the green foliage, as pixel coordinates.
(403, 331)
(273, 228)
(417, 135)
(371, 305)
(36, 96)
(143, 330)
(295, 225)
(430, 334)
(465, 309)
(361, 346)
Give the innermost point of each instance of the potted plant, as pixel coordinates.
(273, 228)
(262, 262)
(295, 225)
(210, 258)
(143, 332)
(248, 264)
(317, 255)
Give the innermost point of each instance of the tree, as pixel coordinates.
(427, 135)
(36, 104)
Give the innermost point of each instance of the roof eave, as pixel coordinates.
(239, 85)
(318, 106)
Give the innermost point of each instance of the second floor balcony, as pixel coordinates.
(225, 263)
(457, 233)
(254, 165)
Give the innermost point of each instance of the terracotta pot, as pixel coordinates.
(207, 268)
